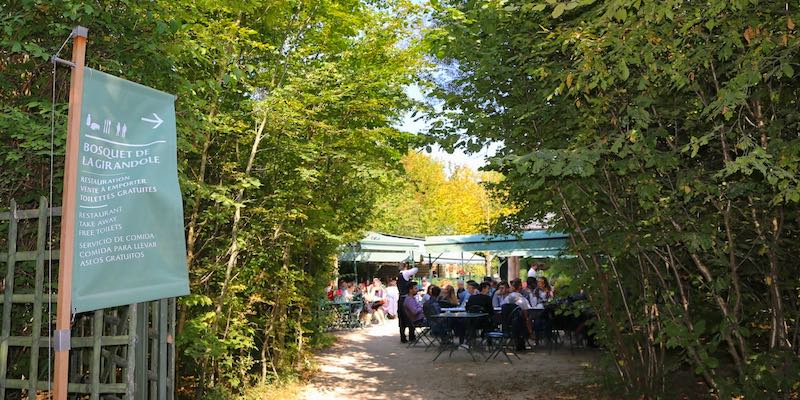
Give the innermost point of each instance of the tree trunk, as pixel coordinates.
(233, 249)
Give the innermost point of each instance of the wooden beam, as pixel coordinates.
(26, 214)
(38, 295)
(7, 295)
(64, 311)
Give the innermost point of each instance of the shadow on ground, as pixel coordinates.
(371, 363)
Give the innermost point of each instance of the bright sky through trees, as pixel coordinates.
(451, 160)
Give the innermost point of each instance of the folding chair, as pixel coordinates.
(569, 325)
(482, 324)
(421, 334)
(475, 309)
(439, 332)
(342, 315)
(354, 313)
(511, 316)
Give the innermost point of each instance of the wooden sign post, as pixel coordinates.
(64, 310)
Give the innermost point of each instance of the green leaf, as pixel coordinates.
(558, 10)
(624, 73)
(787, 70)
(621, 15)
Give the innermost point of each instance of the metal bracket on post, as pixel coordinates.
(61, 340)
(81, 31)
(62, 61)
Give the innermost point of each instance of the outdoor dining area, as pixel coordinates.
(494, 319)
(485, 334)
(342, 315)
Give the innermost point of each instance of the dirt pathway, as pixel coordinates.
(372, 364)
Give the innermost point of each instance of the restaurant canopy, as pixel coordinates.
(386, 248)
(383, 248)
(533, 243)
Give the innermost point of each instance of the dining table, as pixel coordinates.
(471, 341)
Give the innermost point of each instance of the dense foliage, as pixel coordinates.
(285, 142)
(664, 136)
(429, 201)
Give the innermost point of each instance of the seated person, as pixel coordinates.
(427, 296)
(492, 286)
(432, 306)
(500, 295)
(342, 294)
(448, 297)
(481, 299)
(541, 295)
(412, 308)
(528, 287)
(516, 298)
(376, 296)
(472, 288)
(460, 289)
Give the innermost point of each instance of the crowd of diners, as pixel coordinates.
(415, 302)
(379, 301)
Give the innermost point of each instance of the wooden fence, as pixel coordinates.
(117, 353)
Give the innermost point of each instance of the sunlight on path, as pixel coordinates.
(372, 364)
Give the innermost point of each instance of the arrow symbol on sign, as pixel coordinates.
(157, 121)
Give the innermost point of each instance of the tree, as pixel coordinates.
(429, 202)
(663, 136)
(285, 113)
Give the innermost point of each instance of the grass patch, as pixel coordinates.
(284, 389)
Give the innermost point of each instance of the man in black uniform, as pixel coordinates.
(403, 278)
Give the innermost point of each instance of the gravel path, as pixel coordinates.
(371, 363)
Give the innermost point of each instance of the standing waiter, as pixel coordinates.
(402, 286)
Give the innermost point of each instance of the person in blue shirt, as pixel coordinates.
(460, 289)
(500, 295)
(492, 287)
(432, 306)
(472, 288)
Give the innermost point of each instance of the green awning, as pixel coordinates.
(386, 248)
(383, 248)
(535, 243)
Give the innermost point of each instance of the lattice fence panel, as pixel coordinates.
(117, 353)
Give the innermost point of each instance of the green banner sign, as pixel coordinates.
(129, 243)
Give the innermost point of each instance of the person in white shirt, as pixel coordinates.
(515, 297)
(342, 294)
(533, 271)
(392, 297)
(541, 295)
(376, 295)
(500, 295)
